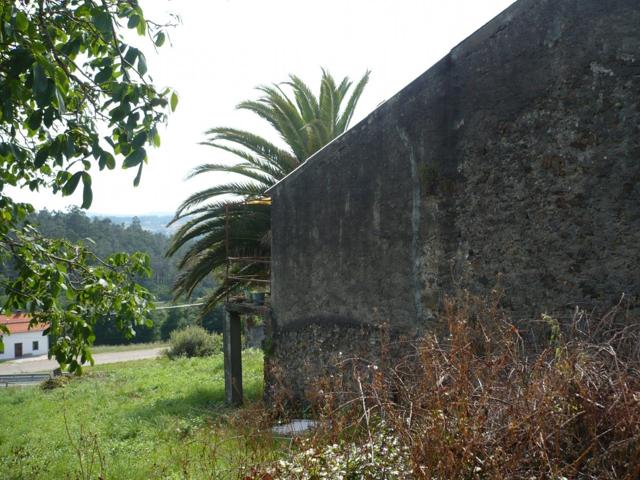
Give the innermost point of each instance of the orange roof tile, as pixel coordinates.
(20, 324)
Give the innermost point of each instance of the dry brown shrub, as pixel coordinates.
(480, 404)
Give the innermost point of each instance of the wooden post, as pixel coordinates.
(232, 358)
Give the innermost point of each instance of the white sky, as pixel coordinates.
(225, 48)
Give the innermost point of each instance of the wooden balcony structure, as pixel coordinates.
(238, 271)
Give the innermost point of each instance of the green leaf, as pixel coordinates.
(108, 160)
(136, 181)
(69, 147)
(71, 184)
(132, 55)
(174, 101)
(40, 79)
(132, 121)
(160, 38)
(22, 22)
(134, 158)
(43, 98)
(118, 91)
(35, 120)
(41, 157)
(62, 108)
(104, 75)
(142, 27)
(142, 64)
(117, 114)
(133, 22)
(61, 80)
(102, 21)
(87, 194)
(49, 117)
(139, 140)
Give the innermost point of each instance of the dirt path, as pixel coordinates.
(42, 364)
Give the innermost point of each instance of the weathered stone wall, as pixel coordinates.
(318, 356)
(515, 159)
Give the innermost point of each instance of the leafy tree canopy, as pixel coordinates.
(74, 96)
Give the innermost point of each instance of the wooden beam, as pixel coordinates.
(232, 347)
(246, 308)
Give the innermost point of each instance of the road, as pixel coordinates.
(42, 364)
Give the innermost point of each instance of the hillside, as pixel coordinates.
(156, 223)
(106, 237)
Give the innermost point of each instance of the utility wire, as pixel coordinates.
(185, 305)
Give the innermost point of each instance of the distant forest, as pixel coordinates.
(154, 223)
(105, 237)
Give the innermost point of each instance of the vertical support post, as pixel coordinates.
(232, 358)
(268, 346)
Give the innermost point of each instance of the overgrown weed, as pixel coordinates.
(483, 403)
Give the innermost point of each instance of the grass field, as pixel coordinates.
(137, 420)
(128, 347)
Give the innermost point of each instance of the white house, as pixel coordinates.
(22, 341)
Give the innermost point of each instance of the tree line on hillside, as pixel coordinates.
(104, 237)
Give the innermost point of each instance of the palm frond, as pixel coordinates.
(264, 149)
(245, 169)
(218, 221)
(246, 189)
(328, 100)
(343, 88)
(347, 114)
(288, 128)
(306, 100)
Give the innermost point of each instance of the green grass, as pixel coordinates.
(146, 419)
(128, 347)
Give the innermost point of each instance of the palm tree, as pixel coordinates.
(233, 218)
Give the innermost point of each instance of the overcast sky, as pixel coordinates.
(225, 48)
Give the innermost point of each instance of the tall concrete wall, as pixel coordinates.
(516, 157)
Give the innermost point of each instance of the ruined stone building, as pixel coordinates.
(516, 158)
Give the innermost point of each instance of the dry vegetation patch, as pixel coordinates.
(481, 404)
